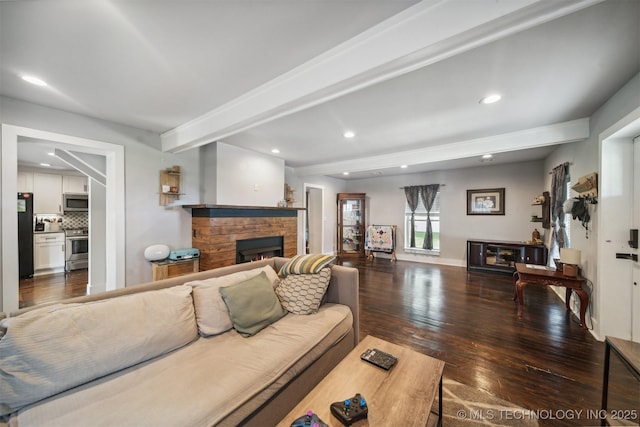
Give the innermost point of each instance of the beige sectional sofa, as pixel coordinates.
(162, 354)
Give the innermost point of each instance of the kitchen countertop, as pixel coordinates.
(48, 232)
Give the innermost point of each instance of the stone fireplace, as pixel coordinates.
(217, 231)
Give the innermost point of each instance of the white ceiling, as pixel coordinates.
(174, 67)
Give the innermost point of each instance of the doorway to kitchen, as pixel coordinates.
(110, 253)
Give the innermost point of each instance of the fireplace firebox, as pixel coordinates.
(248, 250)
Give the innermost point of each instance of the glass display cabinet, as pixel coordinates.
(351, 217)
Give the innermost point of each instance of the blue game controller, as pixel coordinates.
(309, 420)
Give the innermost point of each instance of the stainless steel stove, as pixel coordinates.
(76, 248)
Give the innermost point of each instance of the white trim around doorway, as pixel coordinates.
(115, 212)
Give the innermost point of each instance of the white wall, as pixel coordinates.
(146, 221)
(208, 173)
(97, 237)
(609, 299)
(332, 187)
(247, 178)
(522, 182)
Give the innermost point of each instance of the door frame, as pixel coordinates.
(115, 207)
(614, 293)
(306, 186)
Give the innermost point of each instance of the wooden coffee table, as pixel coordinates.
(402, 396)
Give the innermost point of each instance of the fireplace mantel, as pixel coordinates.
(216, 228)
(231, 211)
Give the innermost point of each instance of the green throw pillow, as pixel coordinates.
(306, 264)
(253, 304)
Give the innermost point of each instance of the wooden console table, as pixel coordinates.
(539, 275)
(167, 268)
(501, 256)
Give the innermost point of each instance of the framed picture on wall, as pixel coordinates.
(485, 202)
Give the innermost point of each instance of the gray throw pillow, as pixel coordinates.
(253, 304)
(303, 293)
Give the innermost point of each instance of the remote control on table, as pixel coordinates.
(379, 358)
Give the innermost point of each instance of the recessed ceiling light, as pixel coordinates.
(275, 151)
(487, 156)
(34, 80)
(51, 154)
(345, 173)
(404, 166)
(490, 99)
(45, 164)
(349, 134)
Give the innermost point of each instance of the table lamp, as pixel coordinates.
(570, 259)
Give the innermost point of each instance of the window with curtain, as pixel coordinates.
(567, 218)
(420, 222)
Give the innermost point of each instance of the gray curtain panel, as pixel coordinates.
(412, 194)
(428, 193)
(558, 196)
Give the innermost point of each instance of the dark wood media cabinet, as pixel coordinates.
(502, 256)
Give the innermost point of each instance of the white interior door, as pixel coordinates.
(314, 227)
(635, 327)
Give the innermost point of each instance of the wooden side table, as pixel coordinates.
(539, 275)
(168, 268)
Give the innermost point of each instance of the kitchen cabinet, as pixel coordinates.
(47, 193)
(351, 218)
(48, 251)
(74, 184)
(502, 256)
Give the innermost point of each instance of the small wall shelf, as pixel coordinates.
(544, 204)
(170, 185)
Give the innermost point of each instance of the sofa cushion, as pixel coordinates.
(302, 293)
(212, 313)
(212, 381)
(305, 264)
(49, 350)
(253, 304)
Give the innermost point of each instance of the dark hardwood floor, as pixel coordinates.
(544, 361)
(53, 287)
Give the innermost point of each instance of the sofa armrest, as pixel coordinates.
(344, 289)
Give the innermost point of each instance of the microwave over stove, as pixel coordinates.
(75, 202)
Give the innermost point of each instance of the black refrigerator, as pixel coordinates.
(25, 234)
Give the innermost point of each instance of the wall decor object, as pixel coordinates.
(587, 185)
(485, 202)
